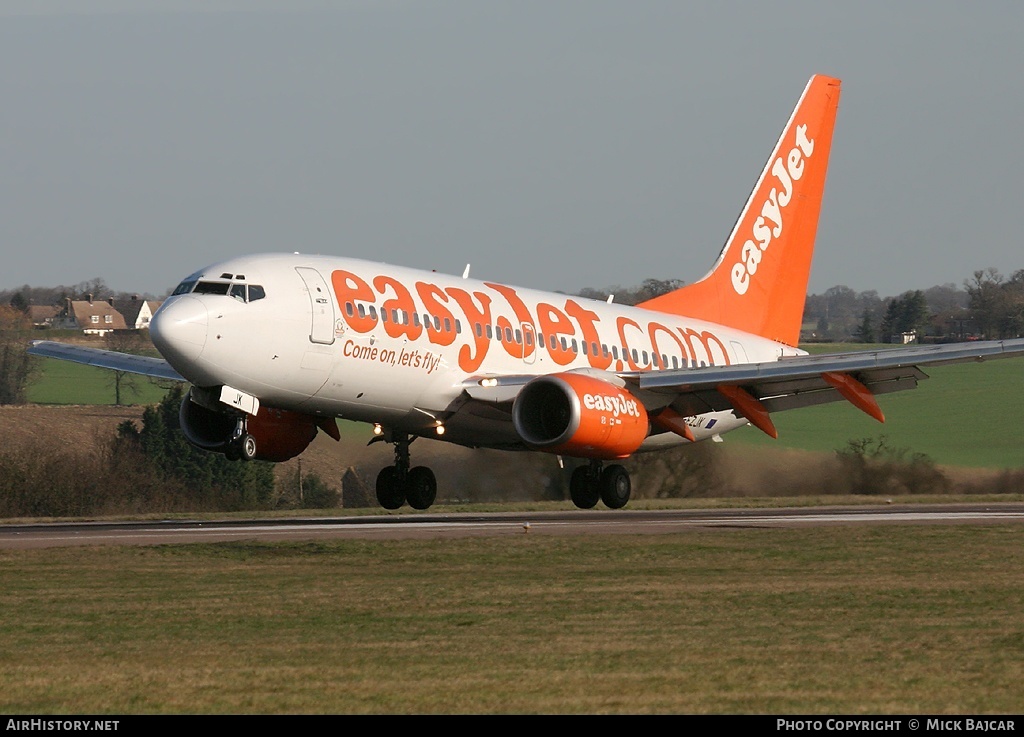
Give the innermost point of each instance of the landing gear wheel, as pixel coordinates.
(390, 489)
(421, 487)
(615, 486)
(582, 489)
(247, 447)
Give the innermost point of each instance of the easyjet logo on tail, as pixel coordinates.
(770, 222)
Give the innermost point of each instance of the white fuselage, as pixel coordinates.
(383, 344)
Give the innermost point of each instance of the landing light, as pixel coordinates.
(440, 428)
(378, 430)
(488, 382)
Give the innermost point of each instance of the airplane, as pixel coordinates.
(276, 347)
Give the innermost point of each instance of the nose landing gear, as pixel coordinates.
(242, 446)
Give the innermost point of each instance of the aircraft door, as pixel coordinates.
(321, 328)
(530, 347)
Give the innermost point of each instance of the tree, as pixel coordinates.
(20, 302)
(1011, 307)
(15, 363)
(213, 482)
(866, 330)
(124, 341)
(907, 313)
(984, 295)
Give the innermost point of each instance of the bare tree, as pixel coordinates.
(124, 341)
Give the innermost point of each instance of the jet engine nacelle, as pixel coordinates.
(279, 434)
(581, 416)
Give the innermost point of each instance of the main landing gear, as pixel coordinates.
(399, 484)
(590, 483)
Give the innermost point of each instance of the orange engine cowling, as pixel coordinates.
(279, 434)
(578, 415)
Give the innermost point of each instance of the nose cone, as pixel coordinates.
(179, 331)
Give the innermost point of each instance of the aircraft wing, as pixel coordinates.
(754, 390)
(156, 368)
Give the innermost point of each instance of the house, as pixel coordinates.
(136, 312)
(93, 317)
(42, 316)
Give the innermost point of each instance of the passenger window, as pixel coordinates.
(508, 335)
(458, 326)
(490, 333)
(479, 330)
(348, 310)
(447, 325)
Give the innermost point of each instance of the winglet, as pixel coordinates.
(759, 282)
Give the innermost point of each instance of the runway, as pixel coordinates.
(440, 525)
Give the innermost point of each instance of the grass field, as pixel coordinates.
(840, 620)
(63, 382)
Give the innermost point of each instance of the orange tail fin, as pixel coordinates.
(759, 282)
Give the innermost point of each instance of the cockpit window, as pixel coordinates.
(241, 292)
(211, 287)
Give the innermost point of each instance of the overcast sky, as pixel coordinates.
(556, 144)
